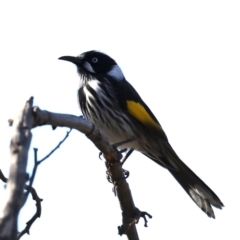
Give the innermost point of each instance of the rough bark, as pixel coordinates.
(19, 147)
(34, 117)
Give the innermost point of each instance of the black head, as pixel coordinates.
(93, 64)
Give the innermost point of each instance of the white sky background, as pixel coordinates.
(181, 56)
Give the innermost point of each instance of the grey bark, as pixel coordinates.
(33, 117)
(19, 147)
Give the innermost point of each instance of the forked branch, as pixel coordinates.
(34, 117)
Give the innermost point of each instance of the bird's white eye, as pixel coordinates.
(94, 60)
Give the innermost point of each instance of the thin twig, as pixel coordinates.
(31, 190)
(2, 177)
(38, 162)
(38, 206)
(58, 146)
(37, 213)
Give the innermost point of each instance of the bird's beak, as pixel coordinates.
(74, 60)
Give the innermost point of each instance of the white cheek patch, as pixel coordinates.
(88, 66)
(116, 73)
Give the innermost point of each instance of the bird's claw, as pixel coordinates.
(139, 214)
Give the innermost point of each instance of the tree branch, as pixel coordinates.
(130, 213)
(38, 206)
(19, 147)
(37, 213)
(38, 162)
(112, 156)
(42, 117)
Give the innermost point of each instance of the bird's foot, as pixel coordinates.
(99, 155)
(128, 221)
(139, 214)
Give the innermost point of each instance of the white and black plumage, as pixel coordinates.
(108, 100)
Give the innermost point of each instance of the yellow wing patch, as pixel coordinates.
(139, 112)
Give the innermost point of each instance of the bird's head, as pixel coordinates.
(95, 64)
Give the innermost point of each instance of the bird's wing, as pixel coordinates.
(134, 106)
(139, 111)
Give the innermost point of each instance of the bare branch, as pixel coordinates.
(42, 117)
(58, 146)
(117, 175)
(113, 163)
(38, 206)
(38, 162)
(19, 146)
(31, 190)
(36, 215)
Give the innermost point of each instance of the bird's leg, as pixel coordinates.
(116, 145)
(123, 150)
(129, 152)
(123, 160)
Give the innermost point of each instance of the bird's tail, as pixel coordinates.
(200, 193)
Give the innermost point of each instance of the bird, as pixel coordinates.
(109, 101)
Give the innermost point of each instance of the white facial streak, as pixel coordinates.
(116, 73)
